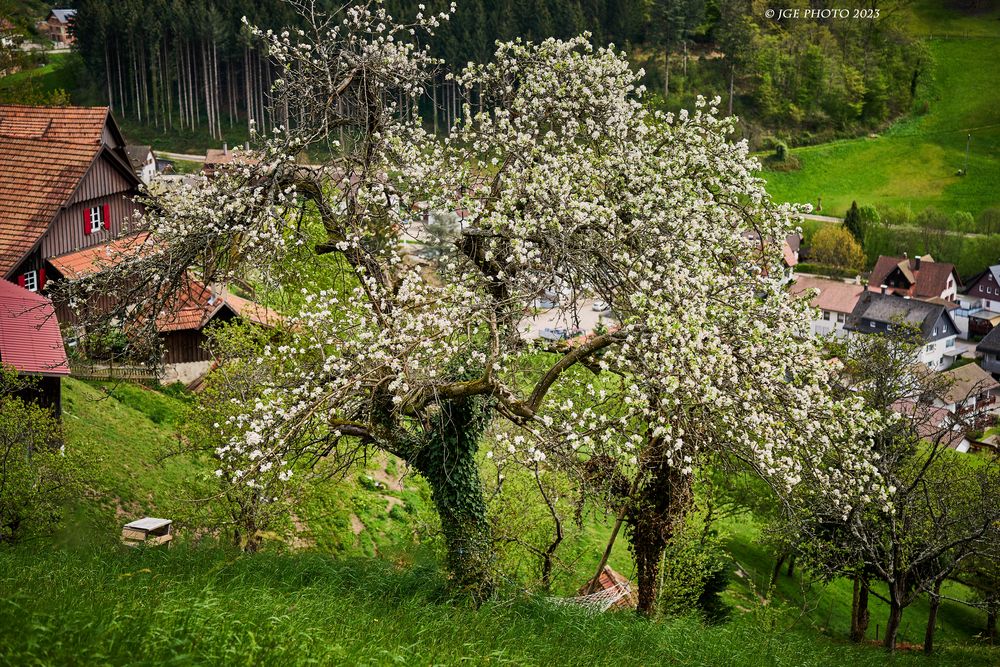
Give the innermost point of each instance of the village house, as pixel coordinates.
(988, 351)
(877, 312)
(972, 394)
(981, 302)
(30, 343)
(834, 299)
(143, 162)
(65, 184)
(917, 277)
(67, 194)
(56, 27)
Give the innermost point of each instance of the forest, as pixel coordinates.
(186, 64)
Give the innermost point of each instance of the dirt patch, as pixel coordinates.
(392, 482)
(356, 526)
(391, 501)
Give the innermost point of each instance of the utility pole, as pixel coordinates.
(965, 170)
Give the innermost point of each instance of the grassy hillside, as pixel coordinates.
(86, 599)
(915, 162)
(108, 605)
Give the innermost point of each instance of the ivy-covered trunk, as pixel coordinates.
(660, 505)
(446, 457)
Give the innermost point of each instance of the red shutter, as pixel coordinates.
(86, 221)
(20, 280)
(107, 216)
(41, 279)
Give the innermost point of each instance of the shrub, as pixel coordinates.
(695, 574)
(37, 478)
(780, 151)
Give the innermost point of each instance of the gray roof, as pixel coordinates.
(137, 154)
(890, 309)
(64, 15)
(990, 342)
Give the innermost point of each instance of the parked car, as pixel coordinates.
(549, 333)
(600, 306)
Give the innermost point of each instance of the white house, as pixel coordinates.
(834, 299)
(878, 313)
(143, 162)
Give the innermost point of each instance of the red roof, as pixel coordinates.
(29, 333)
(98, 258)
(197, 304)
(44, 153)
(930, 280)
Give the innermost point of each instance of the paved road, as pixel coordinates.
(180, 156)
(821, 218)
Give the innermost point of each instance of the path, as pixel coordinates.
(180, 156)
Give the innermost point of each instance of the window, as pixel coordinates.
(826, 315)
(31, 281)
(841, 317)
(96, 219)
(929, 348)
(871, 324)
(950, 343)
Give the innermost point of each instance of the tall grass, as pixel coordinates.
(110, 605)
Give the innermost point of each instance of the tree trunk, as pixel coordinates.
(895, 618)
(935, 600)
(991, 623)
(777, 568)
(446, 457)
(732, 77)
(666, 73)
(859, 609)
(661, 502)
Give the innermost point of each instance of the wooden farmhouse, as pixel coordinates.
(67, 196)
(65, 184)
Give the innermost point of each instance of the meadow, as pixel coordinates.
(915, 162)
(376, 595)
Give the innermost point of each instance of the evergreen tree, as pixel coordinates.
(854, 224)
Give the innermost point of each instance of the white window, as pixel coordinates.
(826, 314)
(841, 317)
(929, 348)
(950, 343)
(31, 281)
(96, 219)
(871, 324)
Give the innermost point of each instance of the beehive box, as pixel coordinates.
(148, 531)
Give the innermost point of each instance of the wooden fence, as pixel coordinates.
(113, 372)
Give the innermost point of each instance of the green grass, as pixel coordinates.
(110, 605)
(62, 71)
(828, 606)
(375, 597)
(915, 162)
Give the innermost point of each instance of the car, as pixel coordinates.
(600, 306)
(550, 333)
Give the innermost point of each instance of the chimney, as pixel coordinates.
(884, 288)
(916, 263)
(225, 149)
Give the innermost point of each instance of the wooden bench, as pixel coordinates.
(148, 531)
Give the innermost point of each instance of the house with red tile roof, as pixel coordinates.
(31, 343)
(917, 277)
(65, 184)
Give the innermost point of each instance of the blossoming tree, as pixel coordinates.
(567, 186)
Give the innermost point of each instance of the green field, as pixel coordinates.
(915, 162)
